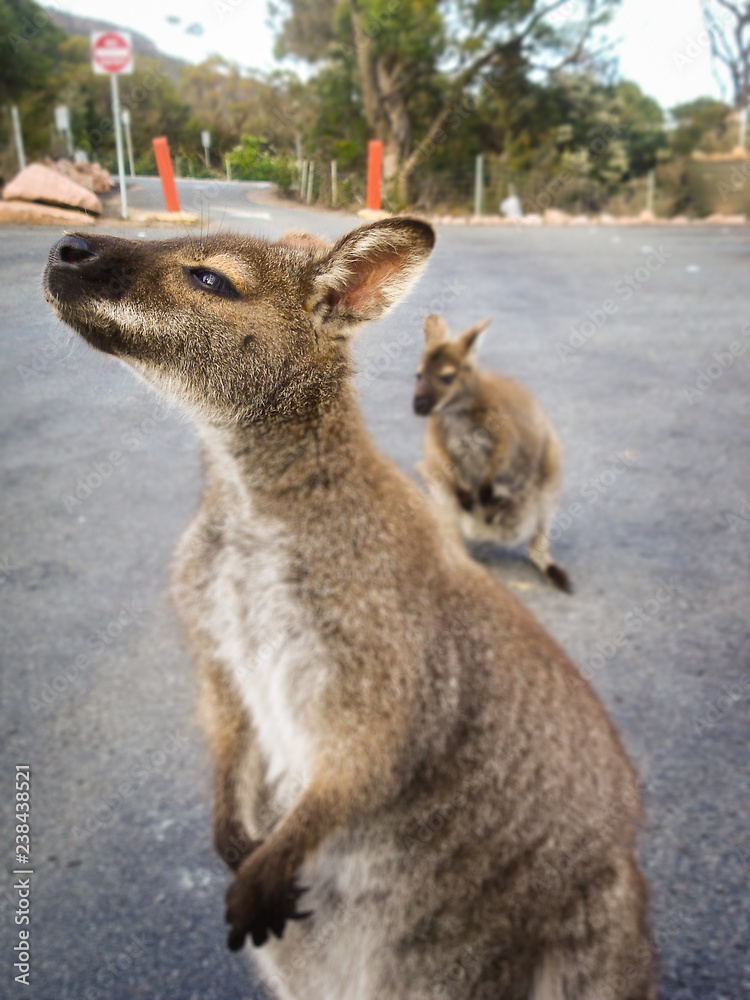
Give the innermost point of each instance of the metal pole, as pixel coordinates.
(303, 179)
(310, 172)
(334, 183)
(18, 137)
(478, 184)
(118, 144)
(128, 139)
(650, 193)
(208, 163)
(69, 142)
(229, 169)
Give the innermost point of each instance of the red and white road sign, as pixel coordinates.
(111, 52)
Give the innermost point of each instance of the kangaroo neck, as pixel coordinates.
(292, 460)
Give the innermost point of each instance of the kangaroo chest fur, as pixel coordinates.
(266, 641)
(468, 445)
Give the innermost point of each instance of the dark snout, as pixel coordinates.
(424, 397)
(82, 265)
(423, 404)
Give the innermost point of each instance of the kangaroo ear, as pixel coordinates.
(468, 338)
(368, 271)
(435, 330)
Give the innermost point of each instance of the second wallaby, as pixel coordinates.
(491, 455)
(417, 794)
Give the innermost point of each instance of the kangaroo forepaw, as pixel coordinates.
(557, 576)
(232, 843)
(257, 906)
(466, 500)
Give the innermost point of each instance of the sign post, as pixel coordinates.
(112, 54)
(128, 139)
(62, 124)
(206, 143)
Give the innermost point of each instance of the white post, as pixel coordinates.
(18, 137)
(128, 139)
(334, 183)
(118, 144)
(743, 129)
(229, 169)
(478, 184)
(310, 172)
(650, 193)
(303, 180)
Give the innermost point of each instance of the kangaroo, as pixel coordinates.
(492, 457)
(417, 795)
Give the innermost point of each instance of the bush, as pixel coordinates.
(254, 160)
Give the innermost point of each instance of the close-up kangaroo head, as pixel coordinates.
(272, 319)
(446, 377)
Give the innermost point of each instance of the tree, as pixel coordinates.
(728, 24)
(28, 42)
(416, 60)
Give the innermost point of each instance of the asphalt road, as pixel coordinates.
(97, 689)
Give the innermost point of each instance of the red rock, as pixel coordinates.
(39, 183)
(31, 213)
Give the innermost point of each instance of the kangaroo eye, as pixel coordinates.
(447, 379)
(212, 281)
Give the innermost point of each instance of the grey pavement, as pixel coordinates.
(99, 477)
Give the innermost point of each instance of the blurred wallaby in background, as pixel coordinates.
(491, 455)
(395, 738)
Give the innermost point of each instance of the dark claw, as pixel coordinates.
(485, 494)
(466, 500)
(262, 918)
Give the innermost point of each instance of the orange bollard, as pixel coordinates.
(374, 173)
(166, 174)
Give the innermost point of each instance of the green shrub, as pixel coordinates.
(254, 160)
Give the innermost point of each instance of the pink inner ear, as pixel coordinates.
(365, 290)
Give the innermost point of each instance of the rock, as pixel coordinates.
(680, 220)
(31, 213)
(580, 220)
(645, 218)
(89, 175)
(554, 217)
(532, 219)
(39, 183)
(605, 219)
(183, 218)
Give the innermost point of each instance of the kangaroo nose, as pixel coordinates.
(74, 252)
(422, 405)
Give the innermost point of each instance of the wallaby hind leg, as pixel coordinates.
(603, 949)
(550, 478)
(539, 555)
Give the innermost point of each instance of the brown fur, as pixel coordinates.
(491, 457)
(392, 731)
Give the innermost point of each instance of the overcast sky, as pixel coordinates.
(660, 45)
